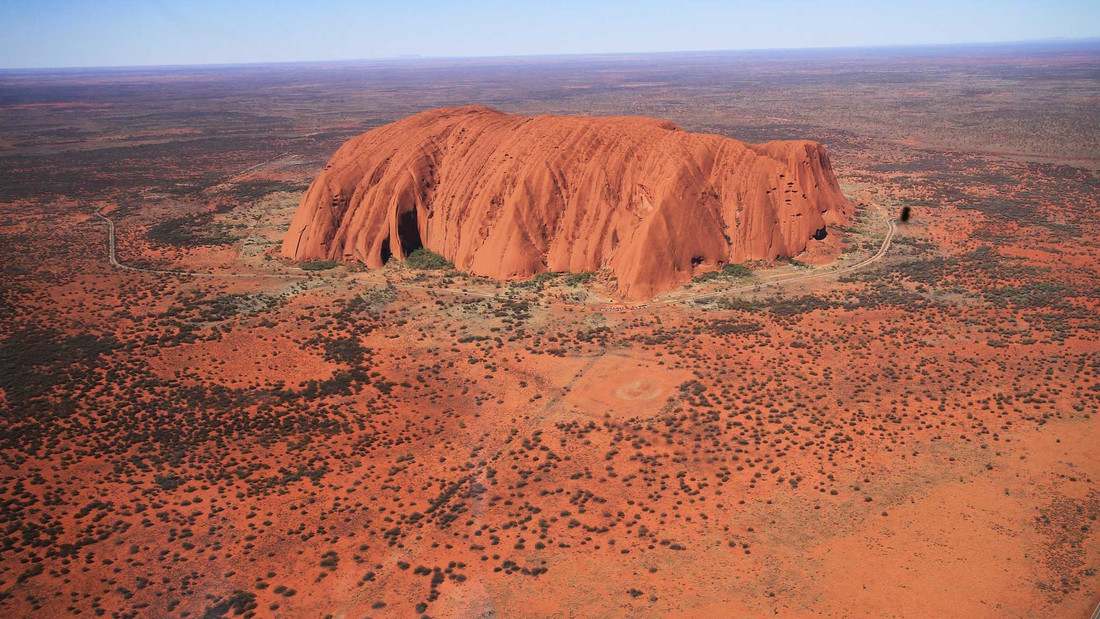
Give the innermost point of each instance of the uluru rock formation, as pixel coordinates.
(509, 196)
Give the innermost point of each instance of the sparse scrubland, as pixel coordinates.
(915, 438)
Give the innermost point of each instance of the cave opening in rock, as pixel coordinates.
(821, 234)
(386, 253)
(408, 232)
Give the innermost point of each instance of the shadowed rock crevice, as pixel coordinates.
(408, 231)
(385, 253)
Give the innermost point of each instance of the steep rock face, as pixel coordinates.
(509, 196)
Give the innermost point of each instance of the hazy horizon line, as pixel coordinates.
(412, 58)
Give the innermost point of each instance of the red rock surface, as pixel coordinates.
(509, 196)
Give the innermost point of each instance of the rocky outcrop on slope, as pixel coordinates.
(509, 196)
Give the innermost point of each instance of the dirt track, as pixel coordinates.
(774, 280)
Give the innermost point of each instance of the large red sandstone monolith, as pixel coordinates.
(509, 196)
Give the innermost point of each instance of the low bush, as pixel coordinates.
(318, 265)
(427, 260)
(729, 271)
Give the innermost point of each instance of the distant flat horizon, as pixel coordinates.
(417, 58)
(131, 33)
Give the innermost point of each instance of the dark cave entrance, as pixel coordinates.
(386, 253)
(821, 234)
(408, 232)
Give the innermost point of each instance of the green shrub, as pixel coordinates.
(191, 231)
(427, 260)
(729, 271)
(539, 280)
(318, 265)
(168, 482)
(736, 270)
(576, 279)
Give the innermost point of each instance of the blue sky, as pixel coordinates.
(62, 33)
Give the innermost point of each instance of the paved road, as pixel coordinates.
(776, 280)
(773, 280)
(112, 243)
(610, 304)
(112, 257)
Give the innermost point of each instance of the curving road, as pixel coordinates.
(774, 280)
(112, 257)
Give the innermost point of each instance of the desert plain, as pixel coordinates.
(902, 422)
